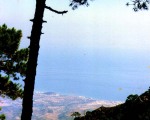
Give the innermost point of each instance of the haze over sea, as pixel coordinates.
(104, 74)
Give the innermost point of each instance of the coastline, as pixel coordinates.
(53, 105)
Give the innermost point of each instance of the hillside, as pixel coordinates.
(52, 106)
(135, 108)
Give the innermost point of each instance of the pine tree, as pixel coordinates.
(12, 63)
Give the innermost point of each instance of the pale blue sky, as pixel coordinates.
(103, 24)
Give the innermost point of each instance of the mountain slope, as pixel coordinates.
(135, 108)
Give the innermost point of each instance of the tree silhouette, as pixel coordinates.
(139, 4)
(12, 63)
(75, 114)
(33, 57)
(75, 3)
(33, 54)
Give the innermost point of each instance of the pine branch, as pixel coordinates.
(5, 60)
(55, 11)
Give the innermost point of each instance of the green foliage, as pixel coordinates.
(8, 88)
(135, 108)
(12, 63)
(75, 114)
(132, 98)
(2, 117)
(75, 3)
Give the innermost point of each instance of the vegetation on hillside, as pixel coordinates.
(135, 108)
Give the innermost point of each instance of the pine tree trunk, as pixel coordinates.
(32, 62)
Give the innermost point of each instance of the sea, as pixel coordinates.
(102, 75)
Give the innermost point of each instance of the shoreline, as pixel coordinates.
(53, 105)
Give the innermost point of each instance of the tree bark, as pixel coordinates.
(27, 103)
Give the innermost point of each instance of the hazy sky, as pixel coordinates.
(104, 24)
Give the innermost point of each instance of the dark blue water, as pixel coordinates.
(104, 75)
